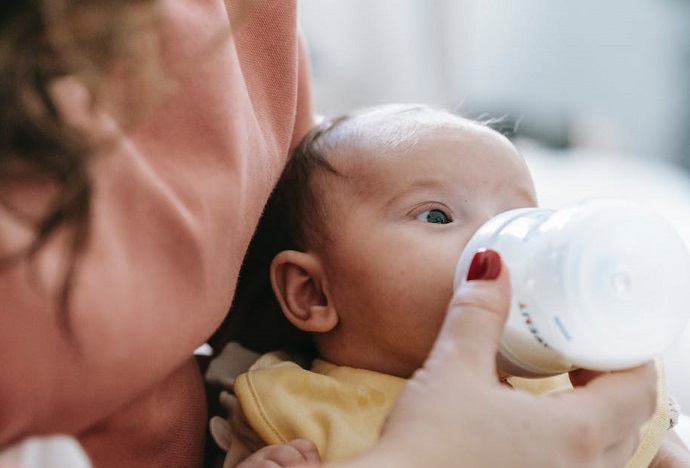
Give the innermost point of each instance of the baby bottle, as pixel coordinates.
(600, 284)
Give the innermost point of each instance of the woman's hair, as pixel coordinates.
(42, 41)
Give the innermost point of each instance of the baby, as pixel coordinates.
(375, 208)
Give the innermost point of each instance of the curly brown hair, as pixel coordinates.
(42, 41)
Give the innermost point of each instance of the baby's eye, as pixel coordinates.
(434, 216)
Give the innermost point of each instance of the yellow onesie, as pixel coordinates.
(342, 409)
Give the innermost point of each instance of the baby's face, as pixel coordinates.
(398, 224)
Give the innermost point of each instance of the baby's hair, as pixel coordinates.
(255, 319)
(293, 203)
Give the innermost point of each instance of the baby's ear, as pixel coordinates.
(301, 288)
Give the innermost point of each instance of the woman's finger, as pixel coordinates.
(605, 414)
(476, 317)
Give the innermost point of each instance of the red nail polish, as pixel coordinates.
(486, 265)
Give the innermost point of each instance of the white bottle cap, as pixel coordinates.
(602, 285)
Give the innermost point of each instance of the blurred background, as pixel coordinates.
(611, 75)
(596, 94)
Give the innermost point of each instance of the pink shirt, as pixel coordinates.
(174, 208)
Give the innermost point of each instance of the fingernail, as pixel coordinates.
(486, 265)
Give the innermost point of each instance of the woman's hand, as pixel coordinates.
(455, 412)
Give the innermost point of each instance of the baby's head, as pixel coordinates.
(380, 205)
